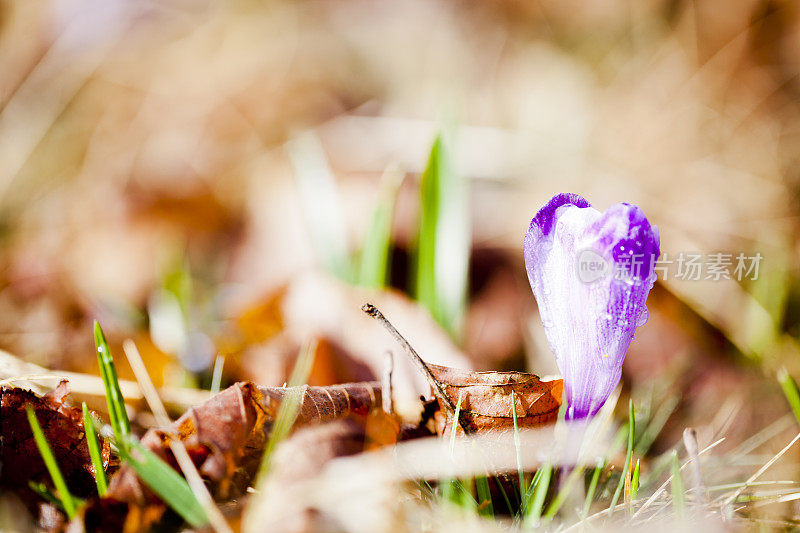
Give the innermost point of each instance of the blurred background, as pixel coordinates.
(223, 181)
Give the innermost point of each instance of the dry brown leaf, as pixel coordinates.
(90, 389)
(63, 427)
(486, 399)
(226, 435)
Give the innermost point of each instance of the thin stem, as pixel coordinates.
(438, 390)
(760, 471)
(663, 486)
(182, 457)
(696, 478)
(216, 376)
(387, 400)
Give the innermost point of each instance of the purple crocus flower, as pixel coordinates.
(591, 273)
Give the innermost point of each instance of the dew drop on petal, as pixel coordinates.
(642, 318)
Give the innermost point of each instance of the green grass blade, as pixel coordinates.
(587, 504)
(498, 484)
(170, 486)
(316, 185)
(216, 376)
(658, 466)
(448, 490)
(635, 481)
(116, 404)
(443, 241)
(374, 265)
(789, 386)
(454, 489)
(290, 406)
(484, 496)
(503, 492)
(523, 490)
(540, 488)
(628, 456)
(563, 492)
(532, 486)
(46, 494)
(94, 452)
(158, 475)
(678, 493)
(634, 486)
(425, 489)
(657, 423)
(467, 500)
(426, 241)
(67, 501)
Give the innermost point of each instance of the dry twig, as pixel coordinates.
(437, 388)
(185, 463)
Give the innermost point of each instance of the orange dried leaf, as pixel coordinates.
(486, 398)
(226, 435)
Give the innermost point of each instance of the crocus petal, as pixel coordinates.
(591, 273)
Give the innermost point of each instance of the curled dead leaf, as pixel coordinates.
(486, 399)
(226, 436)
(63, 428)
